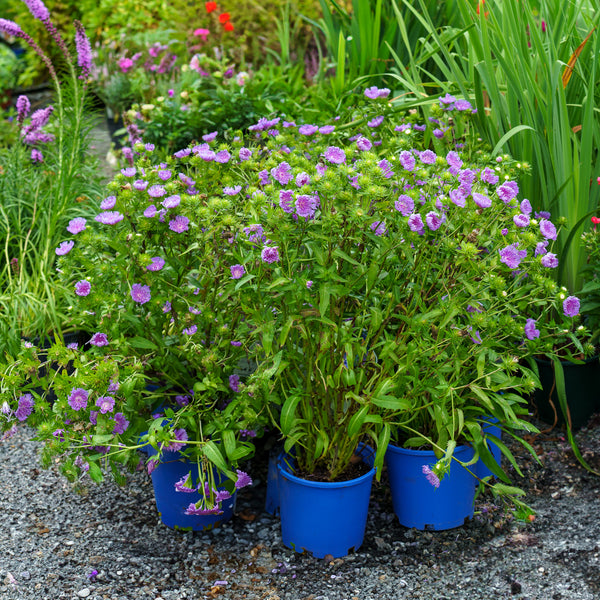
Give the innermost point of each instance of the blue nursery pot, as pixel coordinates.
(417, 503)
(171, 504)
(324, 518)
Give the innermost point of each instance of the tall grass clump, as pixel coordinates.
(532, 70)
(46, 182)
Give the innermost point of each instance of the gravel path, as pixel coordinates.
(52, 540)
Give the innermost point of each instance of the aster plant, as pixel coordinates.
(393, 288)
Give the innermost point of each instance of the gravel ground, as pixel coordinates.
(52, 540)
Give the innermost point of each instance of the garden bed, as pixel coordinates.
(53, 539)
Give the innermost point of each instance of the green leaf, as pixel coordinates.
(391, 403)
(216, 458)
(357, 421)
(144, 343)
(95, 472)
(288, 411)
(229, 442)
(324, 297)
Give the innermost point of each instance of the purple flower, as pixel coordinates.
(234, 383)
(335, 155)
(25, 407)
(540, 248)
(181, 438)
(405, 205)
(99, 339)
(415, 223)
(302, 179)
(172, 201)
(282, 173)
(38, 9)
(140, 185)
(232, 191)
(507, 191)
(84, 50)
(386, 167)
(512, 257)
(375, 122)
(167, 307)
(463, 104)
(521, 220)
(447, 100)
(433, 220)
(64, 248)
(157, 264)
(244, 154)
(83, 287)
(571, 306)
(306, 206)
(105, 404)
(286, 198)
(140, 293)
(129, 171)
(378, 228)
(547, 229)
(264, 177)
(307, 129)
(270, 254)
(76, 225)
(243, 480)
(209, 137)
(432, 478)
(179, 224)
(454, 162)
(222, 157)
(192, 509)
(121, 423)
(550, 260)
(309, 284)
(363, 144)
(488, 176)
(108, 203)
(254, 232)
(327, 129)
(525, 206)
(185, 485)
(237, 271)
(109, 217)
(150, 211)
(375, 92)
(113, 386)
(531, 333)
(482, 200)
(36, 155)
(182, 153)
(156, 191)
(78, 399)
(191, 330)
(407, 160)
(23, 108)
(427, 157)
(458, 197)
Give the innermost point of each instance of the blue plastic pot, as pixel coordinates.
(419, 504)
(171, 504)
(324, 518)
(489, 428)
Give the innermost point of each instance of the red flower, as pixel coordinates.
(223, 17)
(210, 6)
(595, 220)
(228, 26)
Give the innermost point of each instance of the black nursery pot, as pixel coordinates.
(581, 387)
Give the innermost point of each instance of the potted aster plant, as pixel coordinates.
(151, 280)
(390, 287)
